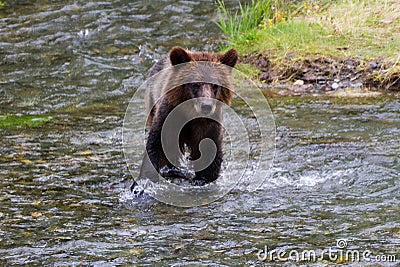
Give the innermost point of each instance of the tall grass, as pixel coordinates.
(241, 25)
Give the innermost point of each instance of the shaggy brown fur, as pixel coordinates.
(186, 82)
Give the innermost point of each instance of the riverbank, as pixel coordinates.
(346, 45)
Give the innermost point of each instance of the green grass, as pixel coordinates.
(18, 121)
(241, 25)
(364, 29)
(293, 36)
(248, 70)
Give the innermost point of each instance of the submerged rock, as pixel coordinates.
(335, 86)
(354, 92)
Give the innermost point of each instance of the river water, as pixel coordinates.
(64, 185)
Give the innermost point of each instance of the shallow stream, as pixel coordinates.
(64, 198)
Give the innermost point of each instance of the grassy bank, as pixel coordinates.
(367, 31)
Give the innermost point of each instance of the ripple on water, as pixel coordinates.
(64, 199)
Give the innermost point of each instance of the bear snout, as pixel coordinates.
(204, 106)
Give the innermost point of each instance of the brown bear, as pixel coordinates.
(163, 97)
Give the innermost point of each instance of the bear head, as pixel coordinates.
(205, 82)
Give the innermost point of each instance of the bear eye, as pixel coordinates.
(195, 86)
(215, 87)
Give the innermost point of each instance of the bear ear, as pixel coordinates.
(179, 55)
(230, 58)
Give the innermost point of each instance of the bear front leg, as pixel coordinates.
(160, 161)
(211, 173)
(155, 149)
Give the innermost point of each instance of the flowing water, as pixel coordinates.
(64, 184)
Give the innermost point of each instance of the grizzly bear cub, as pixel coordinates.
(203, 95)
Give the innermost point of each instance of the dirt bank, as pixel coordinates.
(312, 75)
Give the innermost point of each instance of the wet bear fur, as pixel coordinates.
(161, 99)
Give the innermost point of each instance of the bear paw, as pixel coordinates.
(173, 172)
